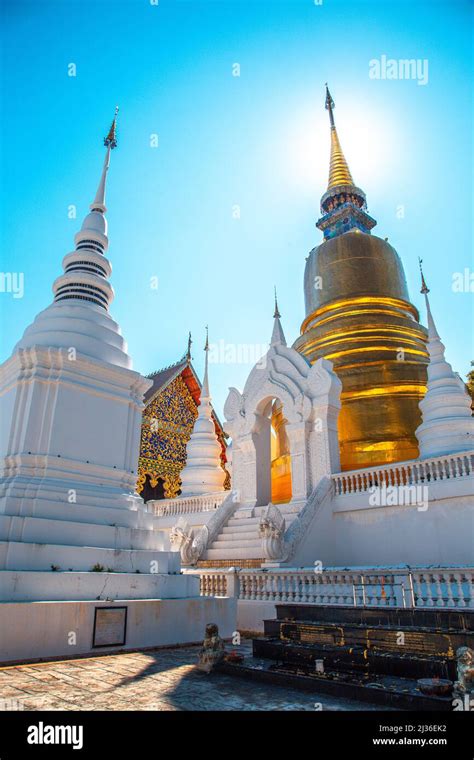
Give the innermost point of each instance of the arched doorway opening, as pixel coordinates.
(150, 492)
(280, 456)
(273, 457)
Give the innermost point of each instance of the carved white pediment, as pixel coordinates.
(322, 383)
(306, 393)
(283, 373)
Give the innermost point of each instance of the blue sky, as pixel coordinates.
(259, 141)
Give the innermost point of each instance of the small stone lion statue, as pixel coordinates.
(465, 666)
(212, 650)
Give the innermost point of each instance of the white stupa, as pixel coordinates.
(74, 535)
(71, 409)
(447, 426)
(203, 472)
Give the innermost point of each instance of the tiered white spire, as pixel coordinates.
(278, 336)
(203, 472)
(79, 316)
(447, 426)
(84, 277)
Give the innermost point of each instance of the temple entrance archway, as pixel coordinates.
(283, 428)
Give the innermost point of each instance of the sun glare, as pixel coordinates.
(368, 140)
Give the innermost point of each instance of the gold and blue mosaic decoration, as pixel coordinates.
(167, 425)
(168, 421)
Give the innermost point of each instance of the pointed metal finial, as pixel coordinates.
(188, 352)
(205, 381)
(277, 312)
(111, 139)
(329, 105)
(424, 287)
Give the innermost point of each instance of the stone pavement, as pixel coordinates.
(160, 679)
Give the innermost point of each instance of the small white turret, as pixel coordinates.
(447, 426)
(278, 336)
(203, 472)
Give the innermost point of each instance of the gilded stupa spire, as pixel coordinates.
(343, 205)
(339, 173)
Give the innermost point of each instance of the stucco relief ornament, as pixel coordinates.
(465, 668)
(234, 412)
(272, 530)
(189, 544)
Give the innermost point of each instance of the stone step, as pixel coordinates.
(253, 522)
(42, 557)
(240, 539)
(39, 530)
(240, 553)
(242, 529)
(20, 586)
(356, 659)
(396, 693)
(222, 543)
(397, 617)
(375, 638)
(234, 536)
(102, 512)
(244, 522)
(285, 510)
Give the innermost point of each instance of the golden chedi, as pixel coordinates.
(359, 316)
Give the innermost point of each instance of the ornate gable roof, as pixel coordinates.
(162, 378)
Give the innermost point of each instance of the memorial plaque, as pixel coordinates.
(110, 625)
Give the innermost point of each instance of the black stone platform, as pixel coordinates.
(373, 655)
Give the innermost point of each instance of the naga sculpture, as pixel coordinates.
(189, 544)
(272, 530)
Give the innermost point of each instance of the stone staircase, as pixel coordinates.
(238, 542)
(399, 657)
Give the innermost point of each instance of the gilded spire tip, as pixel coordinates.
(339, 172)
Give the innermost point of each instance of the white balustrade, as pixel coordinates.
(213, 583)
(405, 473)
(379, 587)
(187, 505)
